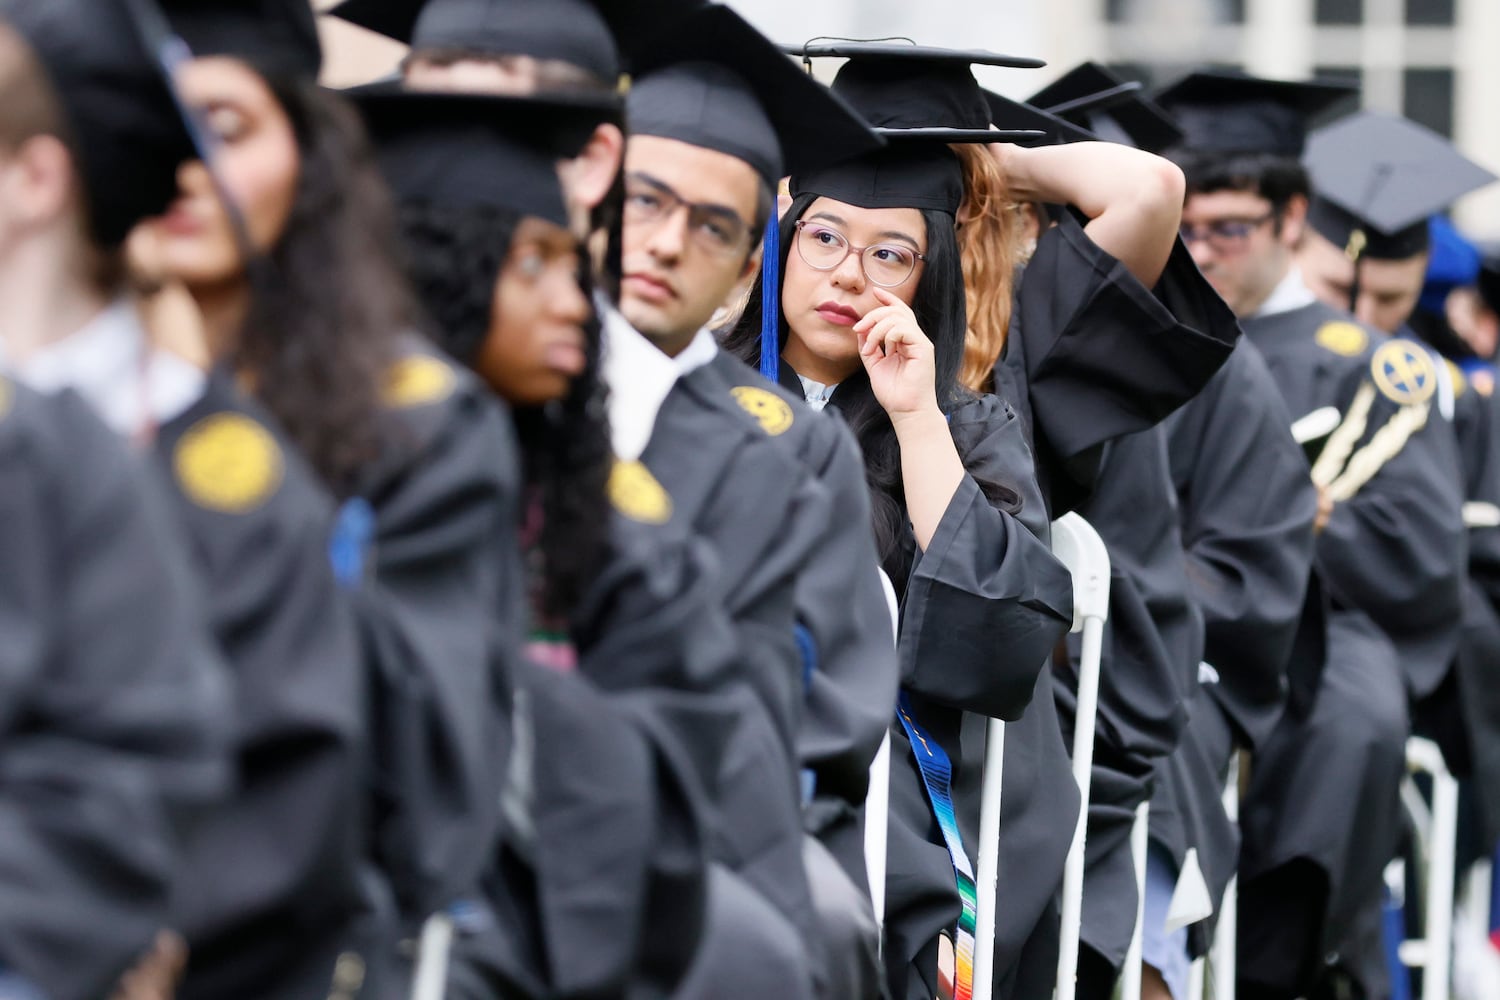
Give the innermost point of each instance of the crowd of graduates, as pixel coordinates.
(454, 528)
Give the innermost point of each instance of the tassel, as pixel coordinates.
(770, 302)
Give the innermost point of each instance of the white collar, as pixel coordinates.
(1292, 293)
(109, 362)
(816, 393)
(640, 377)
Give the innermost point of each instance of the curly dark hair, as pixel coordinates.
(1276, 178)
(940, 312)
(328, 307)
(454, 257)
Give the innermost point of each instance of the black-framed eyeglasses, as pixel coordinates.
(712, 228)
(824, 248)
(1224, 235)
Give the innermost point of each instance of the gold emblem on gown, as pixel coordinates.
(228, 463)
(1404, 373)
(769, 410)
(418, 380)
(635, 493)
(1343, 338)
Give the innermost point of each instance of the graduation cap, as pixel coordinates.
(1379, 178)
(1109, 106)
(590, 34)
(124, 128)
(1052, 129)
(474, 150)
(920, 99)
(275, 36)
(1231, 112)
(748, 100)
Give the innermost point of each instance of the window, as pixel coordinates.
(1341, 11)
(1429, 99)
(1430, 13)
(1224, 11)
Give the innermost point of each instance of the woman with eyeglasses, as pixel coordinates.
(872, 308)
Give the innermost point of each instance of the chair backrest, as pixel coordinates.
(878, 799)
(1078, 546)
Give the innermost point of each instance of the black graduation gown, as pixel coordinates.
(115, 700)
(1148, 672)
(1479, 651)
(981, 610)
(1247, 506)
(841, 603)
(441, 616)
(1395, 550)
(270, 887)
(599, 887)
(1086, 338)
(750, 500)
(1390, 564)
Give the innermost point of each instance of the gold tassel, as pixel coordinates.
(1341, 442)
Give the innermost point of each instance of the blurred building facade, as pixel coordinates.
(1436, 61)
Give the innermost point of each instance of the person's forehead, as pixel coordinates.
(1394, 275)
(875, 223)
(1226, 202)
(693, 172)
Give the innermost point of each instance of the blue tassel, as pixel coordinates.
(770, 303)
(349, 547)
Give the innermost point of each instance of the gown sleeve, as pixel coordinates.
(1105, 355)
(1247, 506)
(441, 616)
(290, 639)
(112, 700)
(987, 601)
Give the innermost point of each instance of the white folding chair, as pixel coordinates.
(878, 798)
(1226, 934)
(1437, 844)
(1080, 548)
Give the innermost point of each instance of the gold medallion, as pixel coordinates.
(769, 410)
(635, 493)
(228, 463)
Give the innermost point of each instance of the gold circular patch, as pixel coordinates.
(635, 493)
(228, 463)
(418, 380)
(769, 410)
(1343, 338)
(1404, 373)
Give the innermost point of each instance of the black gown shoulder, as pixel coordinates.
(259, 526)
(115, 700)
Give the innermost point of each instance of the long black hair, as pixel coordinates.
(454, 258)
(940, 312)
(327, 305)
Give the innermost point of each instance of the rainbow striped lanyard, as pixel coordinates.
(937, 778)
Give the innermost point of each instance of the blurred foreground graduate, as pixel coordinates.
(115, 700)
(869, 322)
(292, 272)
(1321, 816)
(601, 884)
(257, 525)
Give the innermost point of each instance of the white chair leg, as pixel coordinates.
(1224, 946)
(986, 881)
(1437, 838)
(1130, 977)
(430, 980)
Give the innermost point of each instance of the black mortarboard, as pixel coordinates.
(123, 124)
(1226, 112)
(1055, 130)
(921, 99)
(590, 34)
(1379, 178)
(1109, 106)
(472, 150)
(745, 99)
(571, 31)
(274, 36)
